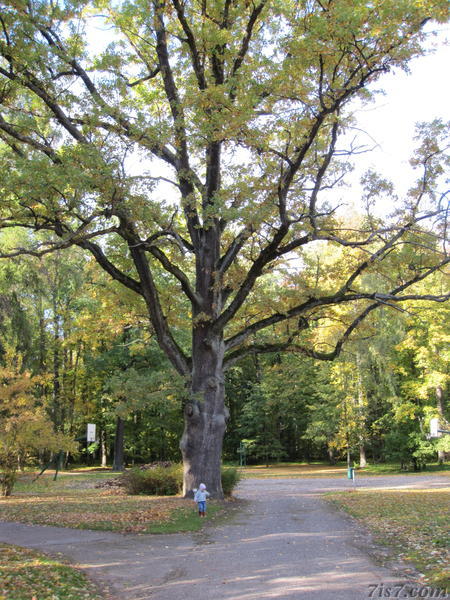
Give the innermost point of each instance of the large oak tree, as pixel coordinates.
(202, 138)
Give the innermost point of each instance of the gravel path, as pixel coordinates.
(285, 543)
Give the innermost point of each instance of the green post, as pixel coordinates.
(242, 455)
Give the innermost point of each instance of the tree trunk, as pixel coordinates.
(8, 475)
(103, 448)
(331, 457)
(56, 392)
(205, 416)
(118, 445)
(440, 407)
(42, 338)
(361, 414)
(362, 456)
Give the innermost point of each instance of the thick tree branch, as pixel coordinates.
(74, 240)
(126, 126)
(338, 98)
(320, 175)
(151, 297)
(186, 185)
(257, 9)
(339, 298)
(374, 257)
(196, 62)
(176, 272)
(29, 81)
(237, 355)
(233, 249)
(270, 251)
(150, 293)
(151, 75)
(12, 131)
(110, 268)
(294, 244)
(265, 256)
(233, 357)
(377, 233)
(182, 243)
(135, 135)
(14, 147)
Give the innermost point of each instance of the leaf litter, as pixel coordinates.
(415, 523)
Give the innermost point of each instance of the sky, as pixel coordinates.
(421, 95)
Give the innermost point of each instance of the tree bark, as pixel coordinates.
(205, 416)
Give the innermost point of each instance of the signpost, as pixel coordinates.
(351, 474)
(435, 431)
(90, 438)
(90, 433)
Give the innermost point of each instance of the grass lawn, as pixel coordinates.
(394, 469)
(415, 523)
(73, 501)
(288, 470)
(27, 575)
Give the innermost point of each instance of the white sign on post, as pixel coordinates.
(90, 436)
(434, 427)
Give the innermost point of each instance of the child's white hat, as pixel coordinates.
(202, 486)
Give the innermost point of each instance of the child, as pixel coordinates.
(200, 497)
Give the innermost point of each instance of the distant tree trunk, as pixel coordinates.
(103, 448)
(331, 457)
(56, 376)
(440, 407)
(361, 415)
(70, 413)
(8, 475)
(362, 456)
(21, 462)
(118, 445)
(42, 337)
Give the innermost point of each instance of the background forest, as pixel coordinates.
(88, 353)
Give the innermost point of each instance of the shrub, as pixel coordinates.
(230, 478)
(157, 481)
(160, 480)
